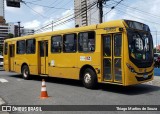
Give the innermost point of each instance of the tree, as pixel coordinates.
(10, 35)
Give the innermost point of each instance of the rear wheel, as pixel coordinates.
(89, 79)
(25, 72)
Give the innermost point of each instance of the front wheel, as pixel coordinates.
(25, 72)
(89, 79)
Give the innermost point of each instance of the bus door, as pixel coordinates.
(11, 57)
(43, 57)
(112, 58)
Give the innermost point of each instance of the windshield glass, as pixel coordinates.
(140, 45)
(137, 25)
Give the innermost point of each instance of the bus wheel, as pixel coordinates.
(25, 72)
(89, 79)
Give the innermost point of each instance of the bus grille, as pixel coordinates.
(143, 79)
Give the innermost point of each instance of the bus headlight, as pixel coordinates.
(130, 68)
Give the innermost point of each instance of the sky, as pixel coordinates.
(35, 16)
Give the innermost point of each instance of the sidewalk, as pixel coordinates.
(155, 82)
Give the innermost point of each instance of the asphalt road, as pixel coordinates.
(17, 91)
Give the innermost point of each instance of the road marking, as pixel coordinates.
(2, 101)
(3, 80)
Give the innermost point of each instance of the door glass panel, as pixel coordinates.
(46, 49)
(42, 49)
(107, 46)
(117, 69)
(11, 50)
(117, 44)
(107, 69)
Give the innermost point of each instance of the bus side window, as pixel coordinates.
(21, 47)
(56, 44)
(86, 41)
(30, 46)
(70, 43)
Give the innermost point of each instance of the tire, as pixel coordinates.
(89, 79)
(25, 72)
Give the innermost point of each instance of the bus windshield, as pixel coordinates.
(140, 46)
(137, 25)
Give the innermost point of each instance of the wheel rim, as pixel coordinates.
(87, 78)
(25, 73)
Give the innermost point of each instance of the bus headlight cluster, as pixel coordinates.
(130, 68)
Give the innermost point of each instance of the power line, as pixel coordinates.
(36, 0)
(44, 17)
(130, 14)
(53, 12)
(57, 4)
(48, 6)
(122, 4)
(53, 22)
(88, 8)
(137, 17)
(113, 7)
(72, 18)
(34, 10)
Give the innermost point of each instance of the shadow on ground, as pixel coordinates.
(129, 90)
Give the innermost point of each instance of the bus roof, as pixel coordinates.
(114, 23)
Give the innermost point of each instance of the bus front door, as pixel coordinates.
(11, 57)
(43, 57)
(112, 58)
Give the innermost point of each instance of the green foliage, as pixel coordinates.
(10, 35)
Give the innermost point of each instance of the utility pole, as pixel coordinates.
(100, 6)
(19, 28)
(156, 42)
(52, 25)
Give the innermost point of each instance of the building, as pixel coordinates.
(86, 12)
(25, 32)
(2, 8)
(6, 29)
(158, 47)
(2, 20)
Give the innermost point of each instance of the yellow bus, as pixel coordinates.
(117, 52)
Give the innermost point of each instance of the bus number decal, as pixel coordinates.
(84, 58)
(52, 62)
